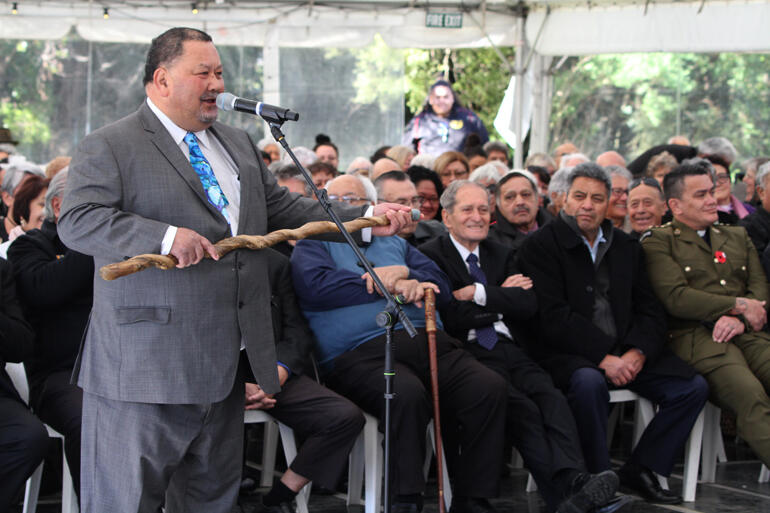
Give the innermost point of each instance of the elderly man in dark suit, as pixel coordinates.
(163, 401)
(23, 438)
(491, 298)
(600, 326)
(55, 286)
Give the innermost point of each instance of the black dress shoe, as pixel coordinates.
(284, 507)
(590, 491)
(615, 504)
(404, 507)
(643, 481)
(471, 505)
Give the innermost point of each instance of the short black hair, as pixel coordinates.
(673, 182)
(165, 48)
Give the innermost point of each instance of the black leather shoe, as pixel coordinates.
(404, 507)
(590, 491)
(643, 481)
(471, 505)
(284, 507)
(615, 504)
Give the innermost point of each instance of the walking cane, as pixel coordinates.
(430, 329)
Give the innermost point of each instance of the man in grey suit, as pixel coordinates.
(163, 396)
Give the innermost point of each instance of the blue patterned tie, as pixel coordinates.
(486, 336)
(202, 167)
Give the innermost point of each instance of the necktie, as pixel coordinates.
(203, 169)
(486, 336)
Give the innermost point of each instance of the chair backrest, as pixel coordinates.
(19, 379)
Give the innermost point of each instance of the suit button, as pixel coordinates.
(687, 268)
(722, 282)
(716, 261)
(240, 304)
(240, 265)
(743, 268)
(589, 288)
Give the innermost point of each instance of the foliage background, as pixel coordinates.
(364, 96)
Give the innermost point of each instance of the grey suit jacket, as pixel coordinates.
(172, 336)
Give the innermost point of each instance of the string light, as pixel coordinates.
(195, 8)
(106, 14)
(15, 8)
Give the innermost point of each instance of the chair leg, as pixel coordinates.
(290, 452)
(692, 459)
(709, 449)
(69, 499)
(356, 466)
(531, 485)
(764, 475)
(269, 445)
(373, 456)
(32, 490)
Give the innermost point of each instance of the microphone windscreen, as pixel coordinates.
(226, 101)
(415, 214)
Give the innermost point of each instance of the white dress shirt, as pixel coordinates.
(480, 294)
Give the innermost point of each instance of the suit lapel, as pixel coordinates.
(165, 144)
(455, 261)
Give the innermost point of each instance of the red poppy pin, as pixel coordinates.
(720, 257)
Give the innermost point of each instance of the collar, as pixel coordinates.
(177, 133)
(605, 229)
(464, 251)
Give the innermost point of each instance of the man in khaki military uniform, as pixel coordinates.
(711, 282)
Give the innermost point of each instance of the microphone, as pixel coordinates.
(270, 113)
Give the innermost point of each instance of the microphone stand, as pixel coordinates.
(386, 319)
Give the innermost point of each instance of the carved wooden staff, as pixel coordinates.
(224, 246)
(430, 329)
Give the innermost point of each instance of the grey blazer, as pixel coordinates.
(172, 336)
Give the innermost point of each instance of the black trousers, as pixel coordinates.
(539, 420)
(23, 445)
(59, 404)
(327, 423)
(679, 401)
(474, 395)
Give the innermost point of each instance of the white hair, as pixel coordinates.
(424, 160)
(619, 171)
(55, 190)
(306, 156)
(764, 171)
(719, 147)
(488, 171)
(369, 188)
(559, 183)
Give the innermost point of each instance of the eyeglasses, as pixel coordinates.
(722, 178)
(636, 182)
(430, 199)
(348, 199)
(415, 201)
(619, 191)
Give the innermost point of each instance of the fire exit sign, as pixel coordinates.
(444, 19)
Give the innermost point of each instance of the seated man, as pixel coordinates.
(341, 302)
(327, 423)
(711, 283)
(23, 438)
(600, 326)
(490, 298)
(397, 187)
(55, 287)
(518, 214)
(645, 205)
(757, 224)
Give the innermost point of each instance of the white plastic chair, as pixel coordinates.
(643, 416)
(714, 447)
(366, 460)
(269, 445)
(69, 499)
